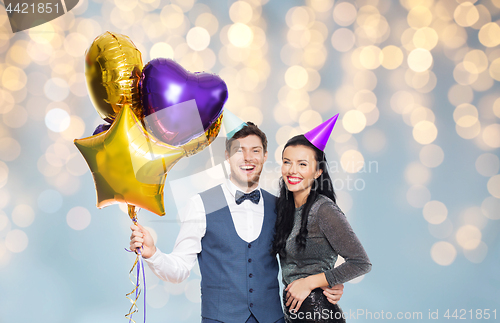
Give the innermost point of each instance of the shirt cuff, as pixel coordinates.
(152, 259)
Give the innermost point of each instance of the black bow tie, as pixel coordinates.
(253, 196)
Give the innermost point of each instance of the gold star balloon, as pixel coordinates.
(128, 164)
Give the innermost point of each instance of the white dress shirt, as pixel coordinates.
(175, 266)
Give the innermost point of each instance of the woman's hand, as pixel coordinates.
(297, 292)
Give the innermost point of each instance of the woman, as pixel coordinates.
(311, 231)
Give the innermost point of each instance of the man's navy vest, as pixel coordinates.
(237, 278)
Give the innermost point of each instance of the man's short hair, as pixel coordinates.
(249, 129)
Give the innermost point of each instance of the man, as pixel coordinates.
(229, 229)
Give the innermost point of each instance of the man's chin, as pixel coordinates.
(248, 181)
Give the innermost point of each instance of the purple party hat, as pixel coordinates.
(319, 135)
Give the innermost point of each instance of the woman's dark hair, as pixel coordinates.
(285, 205)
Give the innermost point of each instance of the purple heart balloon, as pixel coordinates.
(179, 105)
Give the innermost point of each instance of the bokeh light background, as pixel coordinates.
(415, 153)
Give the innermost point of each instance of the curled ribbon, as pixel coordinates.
(140, 267)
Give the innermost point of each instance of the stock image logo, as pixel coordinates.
(25, 14)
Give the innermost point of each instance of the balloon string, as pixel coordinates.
(140, 267)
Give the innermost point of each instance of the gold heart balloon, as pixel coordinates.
(128, 164)
(113, 67)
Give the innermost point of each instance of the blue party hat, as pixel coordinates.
(232, 123)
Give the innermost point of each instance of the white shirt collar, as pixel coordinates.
(232, 188)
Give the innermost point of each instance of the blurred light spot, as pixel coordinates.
(161, 49)
(9, 149)
(157, 297)
(75, 44)
(496, 107)
(494, 186)
(421, 114)
(374, 140)
(4, 194)
(352, 161)
(23, 215)
(401, 100)
(76, 128)
(464, 76)
(57, 154)
(490, 207)
(16, 241)
(474, 216)
(417, 173)
(14, 78)
(16, 117)
(299, 17)
(425, 132)
(240, 11)
(18, 54)
(363, 97)
(198, 38)
(484, 82)
(344, 200)
(344, 13)
(7, 101)
(192, 291)
(435, 212)
(57, 120)
(475, 61)
(252, 113)
(4, 221)
(296, 77)
(371, 57)
(309, 119)
(466, 14)
(495, 68)
(56, 89)
(172, 16)
(208, 21)
(488, 34)
(459, 94)
(392, 57)
(50, 201)
(469, 132)
(126, 5)
(78, 218)
(491, 135)
(366, 80)
(442, 230)
(465, 115)
(488, 165)
(43, 33)
(419, 17)
(443, 253)
(418, 195)
(76, 165)
(419, 60)
(320, 5)
(426, 38)
(453, 36)
(468, 237)
(354, 121)
(240, 35)
(343, 39)
(431, 155)
(4, 174)
(478, 254)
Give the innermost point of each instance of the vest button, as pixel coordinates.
(251, 290)
(251, 304)
(249, 245)
(250, 275)
(249, 259)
